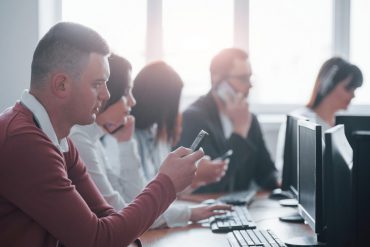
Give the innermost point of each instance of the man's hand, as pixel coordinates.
(180, 167)
(125, 133)
(209, 171)
(204, 212)
(238, 112)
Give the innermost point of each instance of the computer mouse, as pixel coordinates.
(279, 194)
(209, 201)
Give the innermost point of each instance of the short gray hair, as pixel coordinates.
(66, 46)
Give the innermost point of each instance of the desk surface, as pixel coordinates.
(264, 211)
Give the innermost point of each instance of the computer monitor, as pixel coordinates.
(310, 174)
(353, 123)
(361, 187)
(338, 160)
(290, 165)
(310, 184)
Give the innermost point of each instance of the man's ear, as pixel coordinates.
(60, 85)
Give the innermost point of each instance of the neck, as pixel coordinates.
(56, 116)
(326, 111)
(61, 127)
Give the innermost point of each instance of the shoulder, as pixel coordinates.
(18, 123)
(28, 148)
(200, 108)
(255, 121)
(304, 111)
(83, 137)
(79, 131)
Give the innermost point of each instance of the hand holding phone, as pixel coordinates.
(226, 155)
(198, 140)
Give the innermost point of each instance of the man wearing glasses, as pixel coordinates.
(224, 113)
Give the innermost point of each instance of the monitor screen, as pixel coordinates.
(353, 123)
(338, 160)
(361, 187)
(290, 166)
(310, 174)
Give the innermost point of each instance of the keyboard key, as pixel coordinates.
(254, 238)
(235, 220)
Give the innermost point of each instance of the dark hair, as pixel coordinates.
(120, 69)
(223, 62)
(331, 73)
(65, 46)
(157, 90)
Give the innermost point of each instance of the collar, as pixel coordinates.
(42, 118)
(227, 125)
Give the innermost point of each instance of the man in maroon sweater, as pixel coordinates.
(46, 196)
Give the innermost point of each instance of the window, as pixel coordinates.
(194, 31)
(121, 22)
(289, 40)
(360, 45)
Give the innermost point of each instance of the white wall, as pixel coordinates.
(19, 30)
(21, 23)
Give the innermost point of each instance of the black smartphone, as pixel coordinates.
(226, 155)
(198, 140)
(117, 129)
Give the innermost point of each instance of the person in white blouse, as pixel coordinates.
(121, 181)
(157, 89)
(334, 90)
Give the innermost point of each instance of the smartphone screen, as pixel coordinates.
(226, 155)
(225, 91)
(117, 129)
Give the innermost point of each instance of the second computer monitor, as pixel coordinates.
(310, 185)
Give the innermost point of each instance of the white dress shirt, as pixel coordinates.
(176, 214)
(118, 173)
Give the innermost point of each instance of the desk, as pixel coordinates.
(264, 211)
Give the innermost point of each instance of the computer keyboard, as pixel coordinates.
(238, 219)
(239, 197)
(254, 238)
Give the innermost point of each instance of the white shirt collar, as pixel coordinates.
(227, 125)
(42, 118)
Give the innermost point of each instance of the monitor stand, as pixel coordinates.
(294, 218)
(289, 202)
(304, 241)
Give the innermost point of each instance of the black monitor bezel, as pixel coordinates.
(337, 194)
(318, 223)
(360, 237)
(287, 156)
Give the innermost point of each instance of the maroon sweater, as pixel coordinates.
(46, 195)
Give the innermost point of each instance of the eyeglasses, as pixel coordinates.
(242, 78)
